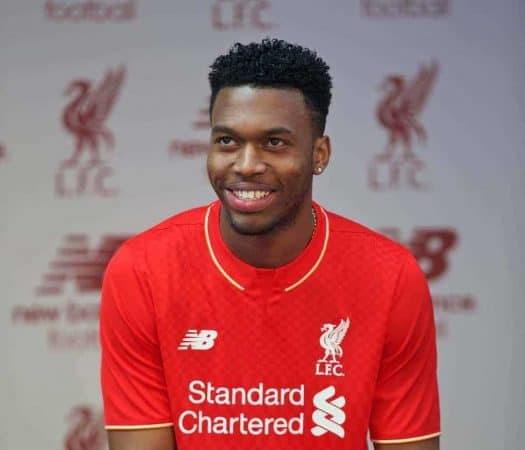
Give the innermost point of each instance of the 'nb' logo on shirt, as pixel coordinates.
(329, 414)
(198, 340)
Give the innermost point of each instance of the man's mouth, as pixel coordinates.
(250, 195)
(249, 200)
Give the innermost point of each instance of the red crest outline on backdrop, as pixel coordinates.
(402, 104)
(398, 112)
(85, 115)
(86, 431)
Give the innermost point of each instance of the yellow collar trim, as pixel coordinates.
(242, 288)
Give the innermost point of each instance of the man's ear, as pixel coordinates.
(321, 157)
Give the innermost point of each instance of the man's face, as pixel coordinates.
(260, 157)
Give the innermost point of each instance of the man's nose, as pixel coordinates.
(249, 161)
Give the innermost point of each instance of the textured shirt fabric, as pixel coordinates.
(314, 354)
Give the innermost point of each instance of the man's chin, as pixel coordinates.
(249, 227)
(259, 223)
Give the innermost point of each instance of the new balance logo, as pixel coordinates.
(329, 414)
(77, 262)
(195, 340)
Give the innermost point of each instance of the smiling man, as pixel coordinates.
(262, 321)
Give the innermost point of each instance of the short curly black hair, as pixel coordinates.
(276, 63)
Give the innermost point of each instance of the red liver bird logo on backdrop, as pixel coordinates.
(86, 431)
(404, 100)
(85, 116)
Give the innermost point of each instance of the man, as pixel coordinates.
(262, 321)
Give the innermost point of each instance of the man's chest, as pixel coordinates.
(299, 359)
(311, 333)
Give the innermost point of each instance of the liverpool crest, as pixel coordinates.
(331, 338)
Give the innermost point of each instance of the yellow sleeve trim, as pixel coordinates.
(138, 427)
(403, 441)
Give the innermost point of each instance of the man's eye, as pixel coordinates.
(225, 140)
(275, 142)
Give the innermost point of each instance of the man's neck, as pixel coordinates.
(274, 249)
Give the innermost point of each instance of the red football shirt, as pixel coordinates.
(311, 355)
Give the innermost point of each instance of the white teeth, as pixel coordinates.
(251, 195)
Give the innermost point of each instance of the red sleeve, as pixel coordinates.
(133, 384)
(406, 405)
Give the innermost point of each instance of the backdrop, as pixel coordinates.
(103, 133)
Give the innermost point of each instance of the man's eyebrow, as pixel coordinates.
(222, 129)
(277, 130)
(269, 131)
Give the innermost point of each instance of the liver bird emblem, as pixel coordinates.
(87, 430)
(402, 104)
(86, 114)
(331, 339)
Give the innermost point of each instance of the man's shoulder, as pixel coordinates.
(180, 226)
(351, 234)
(339, 223)
(344, 225)
(188, 218)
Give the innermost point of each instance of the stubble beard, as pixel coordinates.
(278, 224)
